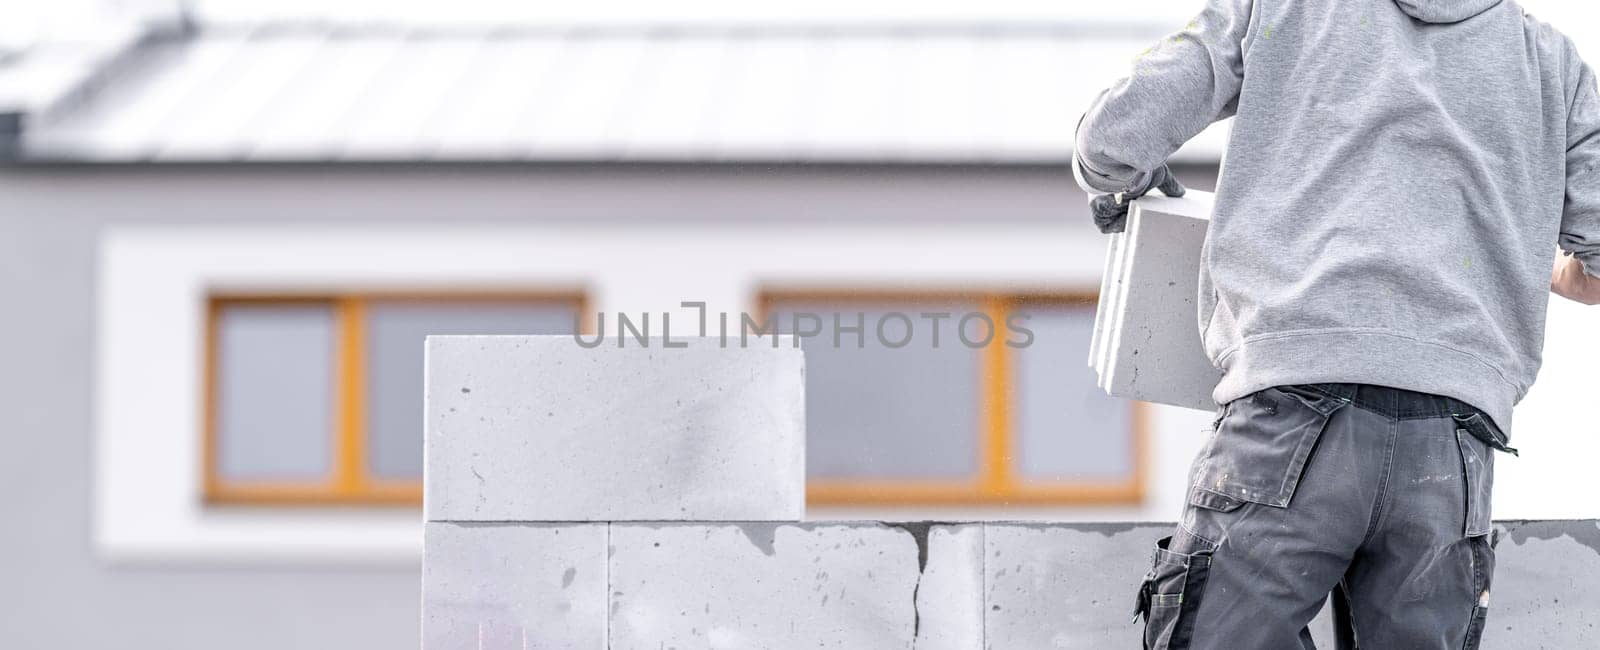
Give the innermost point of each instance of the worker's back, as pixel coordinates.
(1393, 192)
(1374, 284)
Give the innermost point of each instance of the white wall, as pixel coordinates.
(154, 281)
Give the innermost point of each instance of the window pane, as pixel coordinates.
(1067, 429)
(395, 333)
(889, 413)
(274, 391)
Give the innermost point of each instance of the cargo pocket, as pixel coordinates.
(1482, 579)
(1261, 447)
(1478, 439)
(1170, 594)
(1477, 467)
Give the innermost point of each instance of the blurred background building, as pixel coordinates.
(225, 228)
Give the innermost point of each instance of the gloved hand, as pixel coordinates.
(1111, 210)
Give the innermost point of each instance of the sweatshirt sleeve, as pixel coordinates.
(1177, 88)
(1580, 215)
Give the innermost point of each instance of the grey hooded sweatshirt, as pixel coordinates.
(1399, 175)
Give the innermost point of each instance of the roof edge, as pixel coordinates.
(84, 67)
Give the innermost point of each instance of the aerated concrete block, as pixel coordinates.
(538, 428)
(1149, 345)
(514, 586)
(950, 597)
(856, 585)
(1065, 586)
(1108, 303)
(1073, 585)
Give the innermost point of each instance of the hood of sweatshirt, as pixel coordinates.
(1444, 11)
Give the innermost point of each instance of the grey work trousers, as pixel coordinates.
(1379, 493)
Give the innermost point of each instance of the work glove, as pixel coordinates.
(1111, 210)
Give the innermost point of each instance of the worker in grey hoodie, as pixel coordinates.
(1398, 179)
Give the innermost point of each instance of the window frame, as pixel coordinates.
(350, 480)
(996, 482)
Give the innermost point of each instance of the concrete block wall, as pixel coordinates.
(711, 555)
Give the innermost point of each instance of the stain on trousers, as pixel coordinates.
(1379, 494)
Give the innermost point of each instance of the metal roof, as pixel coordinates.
(706, 93)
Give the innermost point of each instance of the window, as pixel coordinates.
(917, 424)
(318, 399)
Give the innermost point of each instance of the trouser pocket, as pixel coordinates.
(1477, 442)
(1261, 447)
(1170, 594)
